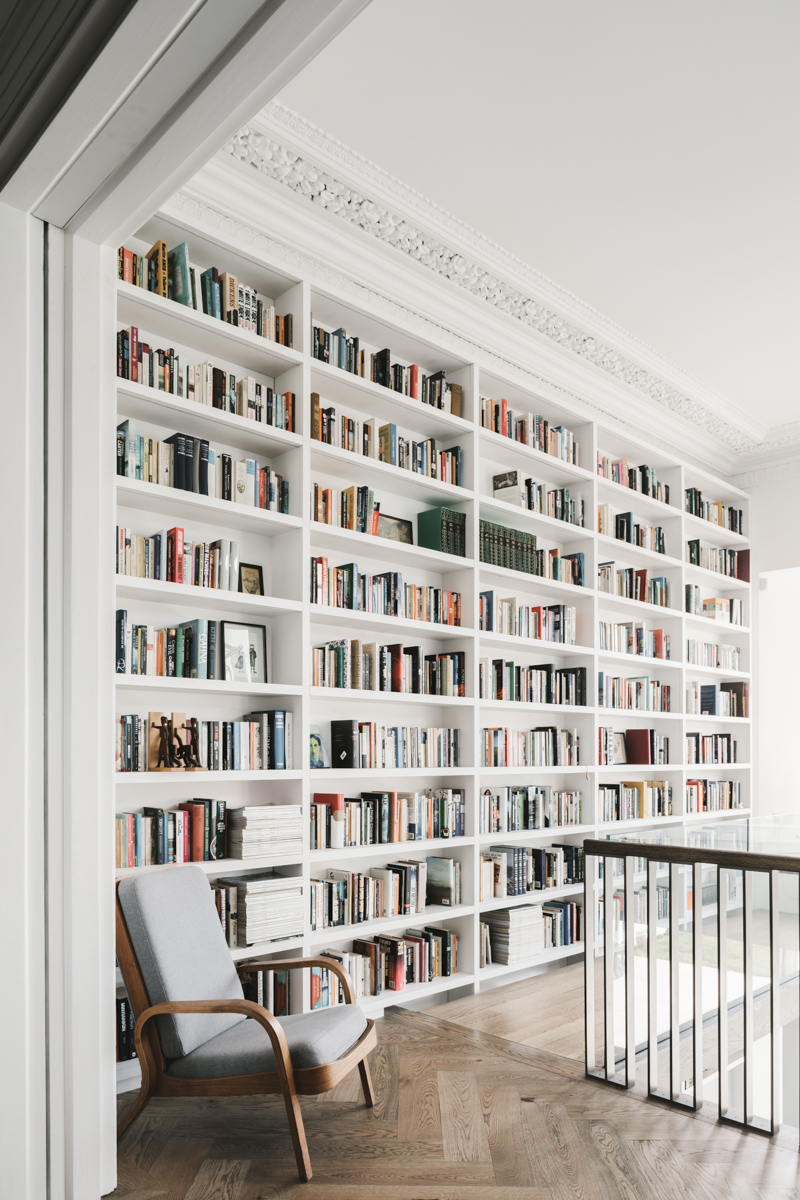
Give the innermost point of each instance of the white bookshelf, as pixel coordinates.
(283, 545)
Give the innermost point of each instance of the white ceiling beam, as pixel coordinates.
(177, 79)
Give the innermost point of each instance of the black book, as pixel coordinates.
(122, 620)
(171, 650)
(383, 368)
(200, 467)
(211, 652)
(227, 476)
(344, 744)
(219, 397)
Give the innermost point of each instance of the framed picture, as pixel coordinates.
(244, 652)
(620, 750)
(251, 579)
(395, 529)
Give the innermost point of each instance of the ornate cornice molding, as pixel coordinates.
(194, 205)
(775, 473)
(324, 189)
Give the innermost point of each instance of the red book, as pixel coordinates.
(375, 515)
(640, 586)
(197, 834)
(637, 746)
(743, 565)
(261, 485)
(503, 417)
(413, 381)
(336, 802)
(175, 564)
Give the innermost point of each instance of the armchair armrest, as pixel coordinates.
(299, 964)
(247, 1008)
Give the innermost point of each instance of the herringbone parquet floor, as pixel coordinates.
(462, 1114)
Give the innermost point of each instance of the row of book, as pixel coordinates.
(385, 444)
(639, 479)
(384, 594)
(513, 618)
(340, 897)
(203, 383)
(535, 806)
(347, 353)
(633, 637)
(633, 584)
(519, 870)
(191, 650)
(515, 550)
(378, 818)
(262, 741)
(383, 964)
(271, 989)
(728, 699)
(172, 557)
(645, 747)
(350, 508)
(543, 683)
(196, 831)
(714, 511)
(715, 608)
(713, 795)
(625, 528)
(350, 663)
(712, 654)
(513, 488)
(733, 563)
(638, 693)
(191, 465)
(261, 906)
(371, 744)
(530, 430)
(545, 746)
(711, 748)
(633, 800)
(169, 273)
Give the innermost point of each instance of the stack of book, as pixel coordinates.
(270, 906)
(557, 503)
(625, 528)
(516, 934)
(386, 594)
(530, 429)
(714, 511)
(264, 830)
(639, 479)
(515, 618)
(540, 684)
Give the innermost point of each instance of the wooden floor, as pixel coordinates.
(463, 1113)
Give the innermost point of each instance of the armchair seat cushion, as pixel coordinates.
(314, 1039)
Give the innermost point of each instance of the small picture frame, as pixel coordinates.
(251, 579)
(244, 652)
(318, 755)
(620, 750)
(395, 529)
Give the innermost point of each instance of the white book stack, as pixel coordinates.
(270, 906)
(515, 933)
(260, 831)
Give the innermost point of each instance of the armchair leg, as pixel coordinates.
(297, 1130)
(141, 1102)
(366, 1083)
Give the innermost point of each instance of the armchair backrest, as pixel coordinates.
(181, 952)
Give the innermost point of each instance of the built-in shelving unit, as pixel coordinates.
(284, 544)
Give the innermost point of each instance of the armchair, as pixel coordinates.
(196, 1035)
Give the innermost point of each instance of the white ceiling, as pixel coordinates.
(643, 156)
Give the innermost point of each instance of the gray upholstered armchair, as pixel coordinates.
(196, 1035)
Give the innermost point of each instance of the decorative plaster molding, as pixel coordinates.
(769, 474)
(192, 205)
(323, 189)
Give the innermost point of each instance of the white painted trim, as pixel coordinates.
(23, 1148)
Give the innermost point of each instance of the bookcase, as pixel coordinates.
(284, 544)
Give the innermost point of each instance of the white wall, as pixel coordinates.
(775, 568)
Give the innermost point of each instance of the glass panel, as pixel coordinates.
(595, 963)
(732, 900)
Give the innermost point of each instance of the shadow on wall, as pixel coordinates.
(778, 695)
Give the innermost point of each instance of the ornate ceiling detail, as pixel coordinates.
(342, 200)
(192, 204)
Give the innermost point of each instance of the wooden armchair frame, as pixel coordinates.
(287, 1081)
